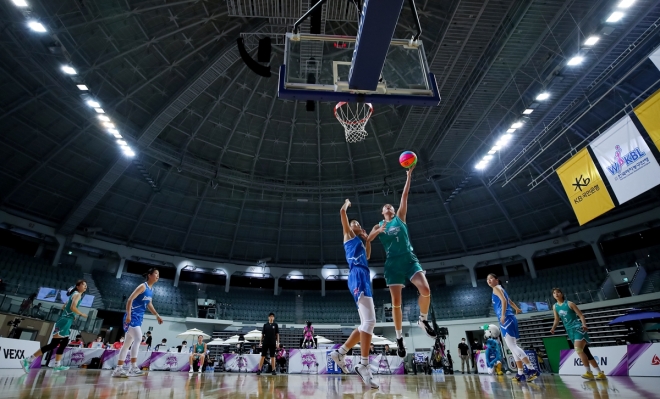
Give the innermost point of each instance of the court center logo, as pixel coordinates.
(625, 165)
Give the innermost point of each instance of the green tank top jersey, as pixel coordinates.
(67, 312)
(395, 239)
(567, 315)
(199, 348)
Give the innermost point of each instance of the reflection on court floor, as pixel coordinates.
(99, 384)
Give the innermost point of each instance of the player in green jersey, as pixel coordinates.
(402, 265)
(576, 329)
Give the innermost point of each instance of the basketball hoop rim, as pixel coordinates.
(358, 122)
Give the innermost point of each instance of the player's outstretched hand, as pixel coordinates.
(410, 170)
(347, 202)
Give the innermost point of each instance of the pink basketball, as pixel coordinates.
(408, 159)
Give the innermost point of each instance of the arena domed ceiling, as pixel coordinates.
(225, 170)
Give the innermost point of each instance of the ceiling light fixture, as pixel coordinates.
(99, 110)
(69, 70)
(516, 125)
(116, 135)
(625, 3)
(109, 125)
(543, 96)
(615, 17)
(481, 165)
(128, 152)
(122, 143)
(93, 104)
(528, 111)
(495, 148)
(20, 3)
(511, 130)
(577, 60)
(487, 158)
(82, 87)
(36, 26)
(103, 118)
(113, 131)
(591, 40)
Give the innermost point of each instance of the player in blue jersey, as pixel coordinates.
(504, 309)
(359, 283)
(402, 265)
(136, 305)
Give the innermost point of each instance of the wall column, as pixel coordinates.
(322, 286)
(61, 241)
(120, 268)
(40, 250)
(227, 282)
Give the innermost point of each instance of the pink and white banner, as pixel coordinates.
(306, 361)
(169, 361)
(626, 160)
(644, 360)
(110, 358)
(241, 363)
(613, 360)
(76, 357)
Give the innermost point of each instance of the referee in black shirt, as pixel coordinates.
(270, 338)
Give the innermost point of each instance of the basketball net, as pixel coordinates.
(353, 119)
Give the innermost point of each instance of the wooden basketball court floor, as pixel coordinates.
(88, 384)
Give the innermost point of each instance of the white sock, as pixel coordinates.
(57, 363)
(530, 366)
(399, 334)
(597, 369)
(365, 361)
(32, 359)
(520, 371)
(422, 316)
(342, 350)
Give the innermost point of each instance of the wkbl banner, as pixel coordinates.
(584, 186)
(648, 113)
(626, 160)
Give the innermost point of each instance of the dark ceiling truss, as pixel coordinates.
(449, 215)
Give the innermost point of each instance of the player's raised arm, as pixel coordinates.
(403, 206)
(348, 233)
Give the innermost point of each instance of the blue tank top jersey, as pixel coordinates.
(356, 253)
(141, 302)
(497, 304)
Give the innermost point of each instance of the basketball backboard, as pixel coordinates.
(317, 67)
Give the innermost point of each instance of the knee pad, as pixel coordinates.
(368, 326)
(578, 350)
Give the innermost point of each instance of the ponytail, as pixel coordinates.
(149, 273)
(73, 289)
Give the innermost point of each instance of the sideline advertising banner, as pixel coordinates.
(613, 360)
(584, 187)
(14, 350)
(626, 159)
(644, 360)
(648, 113)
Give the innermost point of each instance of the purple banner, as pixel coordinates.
(564, 355)
(635, 351)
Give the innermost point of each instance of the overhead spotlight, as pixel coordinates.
(495, 148)
(93, 104)
(516, 125)
(577, 60)
(511, 130)
(625, 3)
(113, 131)
(109, 125)
(615, 17)
(528, 111)
(543, 96)
(480, 166)
(20, 3)
(122, 143)
(116, 135)
(69, 70)
(492, 151)
(103, 118)
(487, 158)
(591, 40)
(36, 26)
(99, 110)
(128, 152)
(82, 87)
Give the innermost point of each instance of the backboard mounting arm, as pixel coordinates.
(413, 8)
(296, 26)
